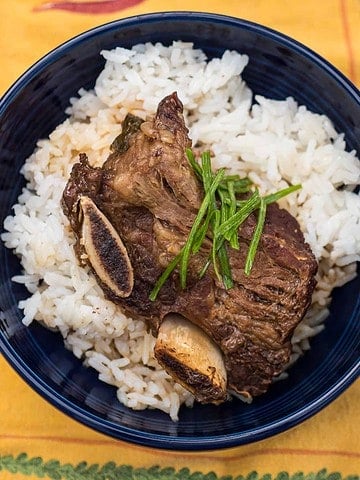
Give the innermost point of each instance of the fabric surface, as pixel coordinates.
(36, 440)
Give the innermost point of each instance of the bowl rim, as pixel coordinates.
(119, 431)
(175, 15)
(165, 442)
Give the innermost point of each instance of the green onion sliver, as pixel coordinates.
(220, 215)
(274, 197)
(201, 234)
(193, 163)
(231, 225)
(225, 267)
(234, 240)
(197, 222)
(215, 227)
(256, 237)
(164, 276)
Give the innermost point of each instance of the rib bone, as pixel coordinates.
(190, 356)
(105, 250)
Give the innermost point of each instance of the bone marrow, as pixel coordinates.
(192, 359)
(105, 250)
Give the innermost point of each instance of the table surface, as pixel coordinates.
(38, 441)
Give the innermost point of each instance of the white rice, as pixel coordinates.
(275, 143)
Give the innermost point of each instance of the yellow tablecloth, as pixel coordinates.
(36, 440)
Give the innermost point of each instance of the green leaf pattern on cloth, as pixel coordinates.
(55, 470)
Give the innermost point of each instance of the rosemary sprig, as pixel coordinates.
(219, 218)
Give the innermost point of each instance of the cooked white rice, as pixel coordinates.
(275, 143)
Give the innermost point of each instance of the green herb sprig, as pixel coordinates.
(219, 218)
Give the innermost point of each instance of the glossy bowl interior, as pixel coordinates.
(35, 104)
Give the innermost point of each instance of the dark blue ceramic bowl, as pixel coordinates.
(35, 104)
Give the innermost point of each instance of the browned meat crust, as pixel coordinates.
(151, 195)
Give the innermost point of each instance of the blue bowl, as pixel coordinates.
(30, 110)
